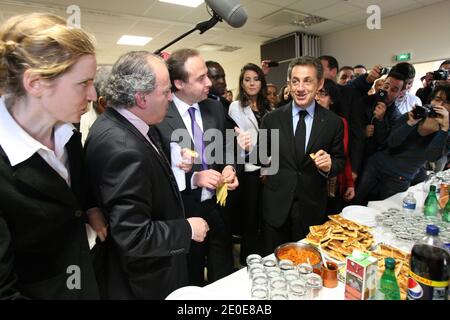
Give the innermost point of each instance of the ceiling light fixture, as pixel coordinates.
(134, 40)
(186, 3)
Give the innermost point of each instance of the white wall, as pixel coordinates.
(423, 32)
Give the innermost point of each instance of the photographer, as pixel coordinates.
(433, 79)
(381, 113)
(427, 82)
(406, 101)
(418, 136)
(440, 97)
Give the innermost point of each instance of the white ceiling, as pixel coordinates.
(109, 19)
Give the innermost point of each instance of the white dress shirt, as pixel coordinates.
(137, 122)
(407, 103)
(309, 118)
(183, 108)
(19, 146)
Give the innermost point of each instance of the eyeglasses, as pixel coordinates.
(322, 93)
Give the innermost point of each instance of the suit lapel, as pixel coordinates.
(207, 116)
(36, 174)
(251, 117)
(173, 118)
(118, 118)
(74, 151)
(287, 130)
(318, 126)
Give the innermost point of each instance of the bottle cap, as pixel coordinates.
(433, 188)
(389, 263)
(432, 230)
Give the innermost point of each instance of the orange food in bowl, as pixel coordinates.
(298, 255)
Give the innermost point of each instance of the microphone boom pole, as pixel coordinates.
(201, 26)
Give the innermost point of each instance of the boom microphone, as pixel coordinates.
(229, 10)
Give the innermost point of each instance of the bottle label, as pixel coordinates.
(409, 205)
(428, 282)
(421, 288)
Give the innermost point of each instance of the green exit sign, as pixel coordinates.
(403, 57)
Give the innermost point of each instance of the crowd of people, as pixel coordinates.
(143, 179)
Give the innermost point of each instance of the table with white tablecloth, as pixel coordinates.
(237, 285)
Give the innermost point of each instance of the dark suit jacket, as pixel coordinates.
(42, 229)
(148, 234)
(301, 178)
(350, 108)
(213, 117)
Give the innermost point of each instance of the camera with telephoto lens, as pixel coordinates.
(441, 74)
(381, 96)
(421, 112)
(384, 71)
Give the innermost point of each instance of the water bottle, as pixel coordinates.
(388, 288)
(409, 203)
(431, 204)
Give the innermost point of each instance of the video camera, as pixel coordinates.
(421, 112)
(441, 74)
(381, 96)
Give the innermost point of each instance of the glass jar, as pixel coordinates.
(260, 292)
(273, 273)
(291, 275)
(255, 268)
(278, 294)
(304, 270)
(269, 264)
(313, 286)
(252, 259)
(278, 283)
(296, 290)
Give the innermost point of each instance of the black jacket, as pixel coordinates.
(148, 233)
(42, 229)
(301, 175)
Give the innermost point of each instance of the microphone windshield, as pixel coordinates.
(229, 10)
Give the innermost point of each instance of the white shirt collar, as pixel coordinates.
(182, 106)
(134, 120)
(20, 146)
(310, 109)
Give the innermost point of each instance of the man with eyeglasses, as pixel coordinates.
(311, 150)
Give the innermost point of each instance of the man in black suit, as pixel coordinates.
(134, 185)
(191, 113)
(311, 150)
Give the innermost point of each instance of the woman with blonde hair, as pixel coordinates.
(46, 75)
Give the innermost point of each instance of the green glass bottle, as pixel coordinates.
(388, 287)
(446, 210)
(431, 204)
